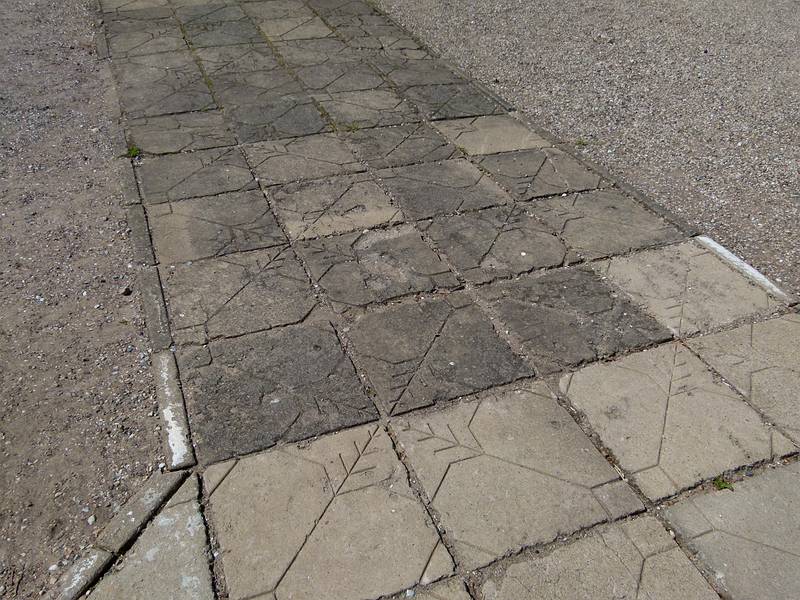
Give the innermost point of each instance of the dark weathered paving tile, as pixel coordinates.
(209, 25)
(146, 31)
(208, 227)
(384, 147)
(431, 189)
(569, 317)
(529, 174)
(367, 108)
(110, 6)
(241, 58)
(451, 101)
(307, 27)
(254, 87)
(248, 393)
(276, 9)
(238, 293)
(276, 118)
(407, 73)
(668, 420)
(296, 159)
(748, 538)
(193, 174)
(341, 7)
(422, 352)
(357, 269)
(510, 469)
(335, 205)
(490, 134)
(497, 242)
(334, 77)
(158, 84)
(604, 222)
(304, 53)
(180, 132)
(371, 32)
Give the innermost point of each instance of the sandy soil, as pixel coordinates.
(78, 420)
(697, 104)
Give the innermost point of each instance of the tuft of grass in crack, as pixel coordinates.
(721, 483)
(352, 127)
(580, 142)
(134, 152)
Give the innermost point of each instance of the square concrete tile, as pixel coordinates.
(534, 173)
(276, 9)
(159, 84)
(687, 288)
(453, 100)
(296, 159)
(407, 73)
(335, 77)
(255, 87)
(668, 421)
(180, 133)
(341, 7)
(334, 205)
(490, 134)
(140, 32)
(633, 560)
(510, 470)
(349, 526)
(446, 187)
(109, 6)
(297, 27)
(238, 293)
(357, 269)
(568, 317)
(275, 118)
(223, 33)
(367, 108)
(747, 539)
(250, 392)
(604, 222)
(369, 31)
(421, 352)
(762, 362)
(385, 147)
(496, 242)
(301, 53)
(194, 174)
(198, 228)
(240, 58)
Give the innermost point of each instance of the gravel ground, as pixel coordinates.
(77, 409)
(697, 104)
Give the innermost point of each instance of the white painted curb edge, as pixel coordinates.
(744, 268)
(173, 412)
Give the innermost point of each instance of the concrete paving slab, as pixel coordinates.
(509, 470)
(687, 288)
(298, 53)
(238, 293)
(490, 134)
(568, 317)
(401, 145)
(210, 227)
(747, 538)
(180, 133)
(405, 73)
(144, 31)
(422, 352)
(634, 560)
(453, 101)
(356, 531)
(296, 27)
(241, 58)
(160, 84)
(605, 222)
(497, 242)
(669, 423)
(194, 174)
(296, 159)
(367, 108)
(533, 173)
(275, 117)
(335, 77)
(248, 393)
(254, 87)
(341, 7)
(357, 269)
(335, 205)
(169, 560)
(108, 6)
(449, 589)
(762, 362)
(446, 187)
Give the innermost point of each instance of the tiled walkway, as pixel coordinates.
(419, 342)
